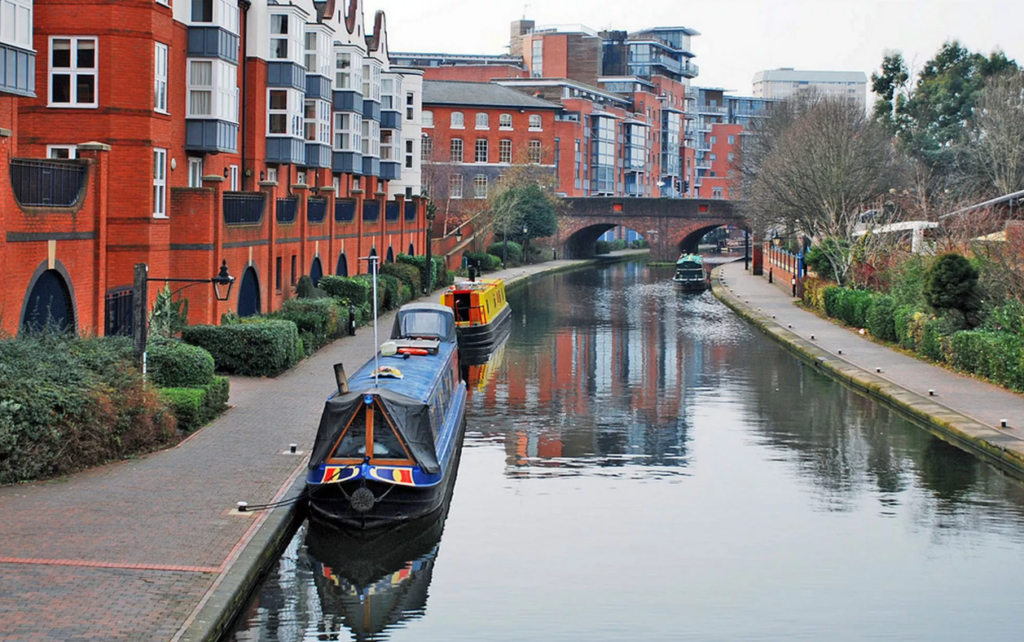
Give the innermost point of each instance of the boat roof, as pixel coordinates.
(479, 284)
(695, 258)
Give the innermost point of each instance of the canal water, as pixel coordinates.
(642, 464)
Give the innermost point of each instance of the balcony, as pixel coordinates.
(17, 71)
(213, 42)
(318, 87)
(318, 155)
(390, 170)
(344, 210)
(316, 210)
(244, 208)
(287, 210)
(290, 151)
(211, 136)
(391, 120)
(286, 74)
(47, 183)
(347, 162)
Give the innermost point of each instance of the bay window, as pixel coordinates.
(16, 23)
(159, 183)
(348, 70)
(371, 138)
(284, 113)
(348, 132)
(212, 90)
(318, 121)
(222, 13)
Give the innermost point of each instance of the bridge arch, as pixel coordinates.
(669, 225)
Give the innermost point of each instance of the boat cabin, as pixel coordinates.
(475, 302)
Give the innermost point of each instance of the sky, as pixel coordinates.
(738, 37)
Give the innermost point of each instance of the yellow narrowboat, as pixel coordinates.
(482, 315)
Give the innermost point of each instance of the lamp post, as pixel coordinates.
(526, 239)
(429, 271)
(222, 284)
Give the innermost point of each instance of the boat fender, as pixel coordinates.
(409, 351)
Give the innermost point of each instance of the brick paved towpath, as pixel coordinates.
(152, 548)
(963, 410)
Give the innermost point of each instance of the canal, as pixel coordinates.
(642, 464)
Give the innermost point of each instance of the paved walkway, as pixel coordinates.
(965, 409)
(152, 548)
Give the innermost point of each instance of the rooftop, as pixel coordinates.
(479, 94)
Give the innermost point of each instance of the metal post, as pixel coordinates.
(427, 273)
(746, 250)
(504, 252)
(140, 324)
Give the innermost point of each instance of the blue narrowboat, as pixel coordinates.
(389, 439)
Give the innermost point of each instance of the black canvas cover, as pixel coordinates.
(411, 418)
(424, 320)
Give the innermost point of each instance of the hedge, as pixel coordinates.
(316, 319)
(68, 404)
(902, 318)
(849, 306)
(814, 292)
(407, 274)
(513, 253)
(487, 262)
(174, 364)
(263, 349)
(439, 276)
(348, 289)
(194, 407)
(881, 318)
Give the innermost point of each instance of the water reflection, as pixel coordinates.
(370, 582)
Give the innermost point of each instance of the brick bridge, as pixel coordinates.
(670, 225)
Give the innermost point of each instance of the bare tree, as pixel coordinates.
(993, 157)
(815, 167)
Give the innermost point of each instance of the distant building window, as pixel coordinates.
(480, 186)
(195, 172)
(456, 150)
(534, 151)
(159, 183)
(714, 140)
(318, 121)
(348, 134)
(732, 140)
(426, 148)
(160, 78)
(717, 192)
(458, 119)
(481, 150)
(272, 174)
(279, 36)
(343, 71)
(410, 147)
(73, 72)
(233, 178)
(505, 151)
(410, 106)
(427, 118)
(535, 122)
(482, 121)
(62, 152)
(505, 121)
(455, 186)
(537, 58)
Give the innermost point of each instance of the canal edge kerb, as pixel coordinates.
(254, 561)
(945, 423)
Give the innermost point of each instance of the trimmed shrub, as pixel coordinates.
(188, 406)
(881, 318)
(902, 321)
(409, 275)
(935, 340)
(68, 404)
(263, 349)
(513, 252)
(854, 307)
(602, 247)
(831, 298)
(487, 262)
(305, 289)
(215, 401)
(316, 319)
(438, 276)
(951, 283)
(174, 364)
(348, 289)
(814, 293)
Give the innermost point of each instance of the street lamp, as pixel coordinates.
(429, 271)
(458, 234)
(222, 284)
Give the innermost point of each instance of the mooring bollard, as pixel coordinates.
(351, 321)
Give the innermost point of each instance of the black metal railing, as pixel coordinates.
(392, 211)
(371, 210)
(47, 183)
(410, 210)
(244, 208)
(287, 209)
(316, 210)
(117, 308)
(344, 211)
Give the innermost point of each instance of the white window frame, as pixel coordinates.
(389, 145)
(72, 151)
(352, 76)
(461, 145)
(535, 152)
(159, 183)
(161, 53)
(195, 171)
(410, 153)
(480, 186)
(481, 148)
(482, 120)
(351, 125)
(410, 106)
(74, 73)
(505, 122)
(165, 3)
(222, 90)
(371, 138)
(458, 120)
(321, 121)
(505, 151)
(295, 45)
(426, 148)
(455, 186)
(272, 174)
(223, 13)
(536, 123)
(427, 118)
(16, 23)
(293, 112)
(233, 178)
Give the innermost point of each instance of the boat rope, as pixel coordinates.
(245, 508)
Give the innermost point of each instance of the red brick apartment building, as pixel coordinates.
(182, 133)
